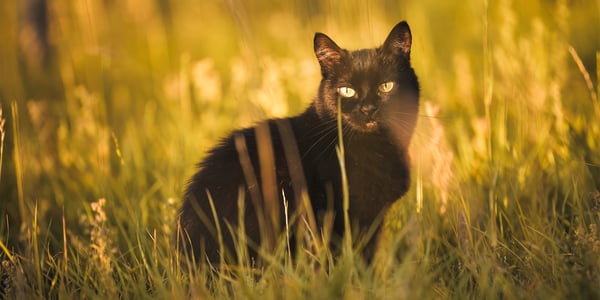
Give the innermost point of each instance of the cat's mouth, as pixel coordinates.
(364, 124)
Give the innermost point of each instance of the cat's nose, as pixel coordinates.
(368, 109)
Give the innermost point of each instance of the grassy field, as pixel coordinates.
(102, 127)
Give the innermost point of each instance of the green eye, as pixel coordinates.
(346, 92)
(386, 87)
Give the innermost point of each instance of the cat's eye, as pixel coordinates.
(386, 87)
(346, 92)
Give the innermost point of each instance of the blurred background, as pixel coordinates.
(118, 100)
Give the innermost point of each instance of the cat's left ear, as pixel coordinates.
(399, 40)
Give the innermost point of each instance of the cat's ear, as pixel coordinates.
(399, 40)
(327, 51)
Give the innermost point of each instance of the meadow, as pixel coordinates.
(102, 124)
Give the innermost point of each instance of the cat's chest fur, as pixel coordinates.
(378, 174)
(377, 171)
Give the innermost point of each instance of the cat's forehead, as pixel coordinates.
(367, 64)
(364, 59)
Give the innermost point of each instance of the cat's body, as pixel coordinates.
(379, 94)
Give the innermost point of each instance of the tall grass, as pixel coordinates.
(100, 140)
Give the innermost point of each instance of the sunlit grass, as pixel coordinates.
(97, 148)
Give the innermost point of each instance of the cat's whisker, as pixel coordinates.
(418, 133)
(351, 132)
(322, 132)
(322, 125)
(402, 125)
(323, 135)
(428, 117)
(326, 135)
(347, 131)
(332, 142)
(400, 121)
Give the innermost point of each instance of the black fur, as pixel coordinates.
(377, 127)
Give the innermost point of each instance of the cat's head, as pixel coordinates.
(377, 87)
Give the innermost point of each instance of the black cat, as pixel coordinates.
(287, 158)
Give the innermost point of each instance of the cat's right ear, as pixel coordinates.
(327, 51)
